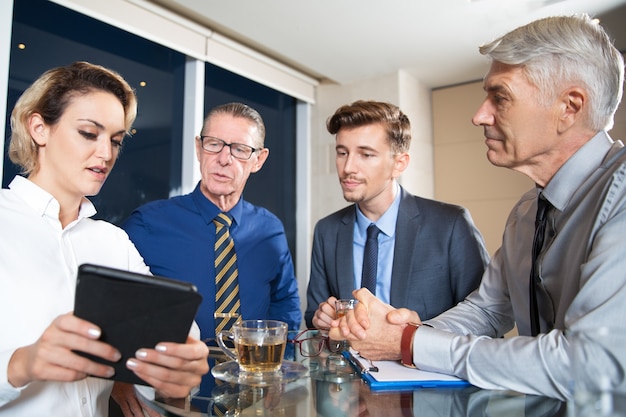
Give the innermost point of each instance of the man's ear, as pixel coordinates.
(401, 162)
(198, 148)
(38, 129)
(260, 160)
(572, 105)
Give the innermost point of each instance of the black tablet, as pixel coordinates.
(134, 311)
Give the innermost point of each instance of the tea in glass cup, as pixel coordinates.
(259, 345)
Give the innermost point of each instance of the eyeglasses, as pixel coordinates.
(238, 150)
(311, 342)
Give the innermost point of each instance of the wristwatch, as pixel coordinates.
(406, 343)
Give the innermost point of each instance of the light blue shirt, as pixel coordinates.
(386, 245)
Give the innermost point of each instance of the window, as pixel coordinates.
(273, 187)
(149, 165)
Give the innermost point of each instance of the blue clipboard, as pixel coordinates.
(393, 376)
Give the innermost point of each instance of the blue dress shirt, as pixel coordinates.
(386, 244)
(176, 237)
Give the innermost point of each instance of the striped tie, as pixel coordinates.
(226, 282)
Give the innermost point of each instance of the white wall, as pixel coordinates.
(415, 101)
(462, 173)
(398, 88)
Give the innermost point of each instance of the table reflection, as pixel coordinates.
(333, 388)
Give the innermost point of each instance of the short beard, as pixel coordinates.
(353, 198)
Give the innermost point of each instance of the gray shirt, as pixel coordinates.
(583, 273)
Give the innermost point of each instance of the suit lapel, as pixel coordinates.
(407, 230)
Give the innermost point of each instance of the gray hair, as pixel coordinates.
(244, 111)
(565, 49)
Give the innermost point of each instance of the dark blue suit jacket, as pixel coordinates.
(439, 257)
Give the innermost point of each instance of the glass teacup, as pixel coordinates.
(259, 345)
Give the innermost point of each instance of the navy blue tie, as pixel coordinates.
(370, 259)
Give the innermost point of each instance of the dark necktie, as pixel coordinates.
(543, 206)
(226, 274)
(370, 259)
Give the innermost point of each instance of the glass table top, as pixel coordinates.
(332, 388)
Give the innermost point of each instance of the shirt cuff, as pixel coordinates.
(194, 331)
(431, 350)
(8, 392)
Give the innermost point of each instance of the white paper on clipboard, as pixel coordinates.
(392, 375)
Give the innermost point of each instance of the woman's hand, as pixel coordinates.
(173, 369)
(52, 356)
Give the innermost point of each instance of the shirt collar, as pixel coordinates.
(577, 169)
(386, 223)
(42, 202)
(209, 211)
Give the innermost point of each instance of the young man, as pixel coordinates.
(552, 91)
(430, 254)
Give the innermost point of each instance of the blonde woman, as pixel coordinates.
(67, 132)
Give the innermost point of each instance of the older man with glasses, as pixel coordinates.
(234, 252)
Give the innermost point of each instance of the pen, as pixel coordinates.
(357, 363)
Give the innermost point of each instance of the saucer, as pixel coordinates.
(229, 372)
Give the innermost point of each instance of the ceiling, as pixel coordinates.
(343, 41)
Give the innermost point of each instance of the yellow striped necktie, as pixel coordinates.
(226, 275)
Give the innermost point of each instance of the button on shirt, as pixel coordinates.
(386, 243)
(38, 264)
(582, 276)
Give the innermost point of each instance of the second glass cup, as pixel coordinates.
(342, 306)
